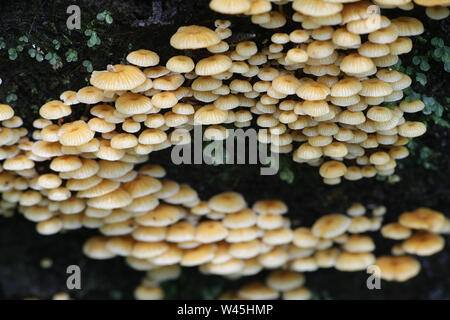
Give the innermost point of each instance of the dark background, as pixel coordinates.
(425, 175)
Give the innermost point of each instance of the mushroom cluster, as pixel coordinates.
(323, 85)
(318, 88)
(226, 238)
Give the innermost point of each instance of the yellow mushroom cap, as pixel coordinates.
(133, 103)
(75, 133)
(412, 129)
(227, 202)
(359, 243)
(95, 248)
(423, 219)
(331, 226)
(284, 280)
(118, 77)
(301, 293)
(209, 114)
(241, 219)
(257, 291)
(213, 65)
(116, 199)
(210, 231)
(408, 26)
(424, 244)
(199, 255)
(194, 37)
(304, 238)
(326, 258)
(399, 269)
(313, 91)
(437, 12)
(143, 58)
(317, 8)
(89, 95)
(163, 215)
(348, 261)
(144, 292)
(54, 110)
(6, 112)
(355, 63)
(181, 64)
(395, 231)
(230, 6)
(332, 169)
(272, 206)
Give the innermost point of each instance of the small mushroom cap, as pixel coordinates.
(209, 114)
(257, 291)
(399, 269)
(133, 103)
(143, 292)
(284, 280)
(147, 250)
(210, 231)
(163, 215)
(301, 293)
(241, 219)
(423, 219)
(424, 244)
(326, 258)
(348, 261)
(359, 243)
(395, 231)
(75, 133)
(332, 169)
(194, 37)
(181, 64)
(213, 65)
(356, 64)
(199, 255)
(227, 202)
(270, 206)
(304, 238)
(6, 112)
(317, 8)
(143, 58)
(118, 77)
(116, 199)
(95, 248)
(330, 226)
(54, 110)
(230, 6)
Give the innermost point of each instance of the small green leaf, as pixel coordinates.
(48, 56)
(437, 42)
(416, 60)
(287, 175)
(12, 54)
(101, 16)
(11, 97)
(421, 78)
(39, 57)
(425, 66)
(32, 52)
(109, 19)
(439, 52)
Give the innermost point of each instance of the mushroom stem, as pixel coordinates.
(280, 8)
